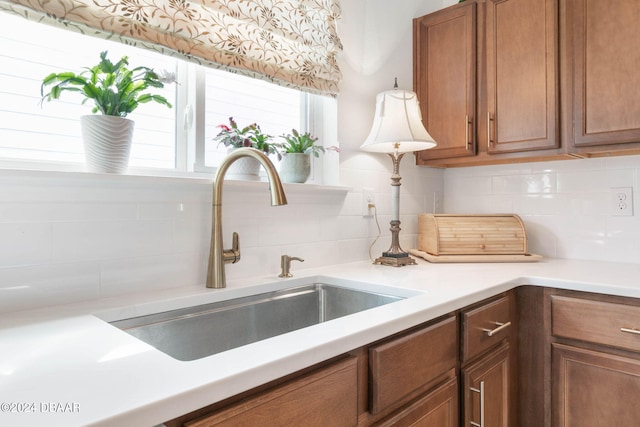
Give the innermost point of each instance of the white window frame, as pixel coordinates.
(318, 116)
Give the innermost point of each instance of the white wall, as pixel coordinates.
(566, 205)
(72, 237)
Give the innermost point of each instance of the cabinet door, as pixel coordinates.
(522, 79)
(592, 389)
(486, 390)
(445, 79)
(438, 408)
(605, 54)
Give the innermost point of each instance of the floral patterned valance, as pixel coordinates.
(290, 42)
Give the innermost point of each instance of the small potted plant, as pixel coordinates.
(295, 153)
(116, 91)
(232, 136)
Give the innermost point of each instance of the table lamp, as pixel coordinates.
(397, 129)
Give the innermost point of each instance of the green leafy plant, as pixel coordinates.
(115, 89)
(302, 143)
(248, 136)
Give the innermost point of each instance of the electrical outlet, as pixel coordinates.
(622, 201)
(368, 200)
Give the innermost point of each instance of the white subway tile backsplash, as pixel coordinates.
(66, 239)
(49, 284)
(25, 243)
(352, 227)
(329, 228)
(89, 240)
(566, 205)
(543, 204)
(288, 232)
(466, 184)
(139, 274)
(39, 212)
(316, 254)
(524, 184)
(357, 249)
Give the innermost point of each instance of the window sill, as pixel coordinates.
(145, 178)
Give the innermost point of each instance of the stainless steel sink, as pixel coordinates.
(195, 332)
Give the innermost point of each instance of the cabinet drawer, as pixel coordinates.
(485, 326)
(611, 324)
(326, 397)
(406, 366)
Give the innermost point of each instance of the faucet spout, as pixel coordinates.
(218, 256)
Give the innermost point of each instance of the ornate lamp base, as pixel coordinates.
(395, 256)
(395, 260)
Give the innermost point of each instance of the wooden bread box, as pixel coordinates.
(500, 237)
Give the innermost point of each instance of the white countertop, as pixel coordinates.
(66, 366)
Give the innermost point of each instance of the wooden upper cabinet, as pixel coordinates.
(603, 51)
(522, 78)
(445, 79)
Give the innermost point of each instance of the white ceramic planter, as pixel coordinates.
(295, 167)
(244, 168)
(107, 143)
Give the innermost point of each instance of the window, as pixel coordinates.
(276, 109)
(165, 139)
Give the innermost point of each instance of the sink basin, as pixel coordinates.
(195, 332)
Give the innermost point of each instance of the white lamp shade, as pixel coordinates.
(397, 124)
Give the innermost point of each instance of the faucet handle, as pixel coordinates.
(231, 256)
(285, 265)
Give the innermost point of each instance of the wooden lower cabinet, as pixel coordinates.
(487, 389)
(594, 388)
(438, 408)
(408, 379)
(579, 359)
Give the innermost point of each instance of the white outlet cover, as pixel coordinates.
(622, 201)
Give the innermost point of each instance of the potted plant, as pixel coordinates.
(295, 153)
(115, 91)
(232, 136)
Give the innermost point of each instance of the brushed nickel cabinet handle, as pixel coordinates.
(468, 122)
(500, 327)
(489, 121)
(481, 392)
(630, 331)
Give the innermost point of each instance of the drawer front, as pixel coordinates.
(402, 368)
(437, 408)
(485, 326)
(611, 324)
(325, 398)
